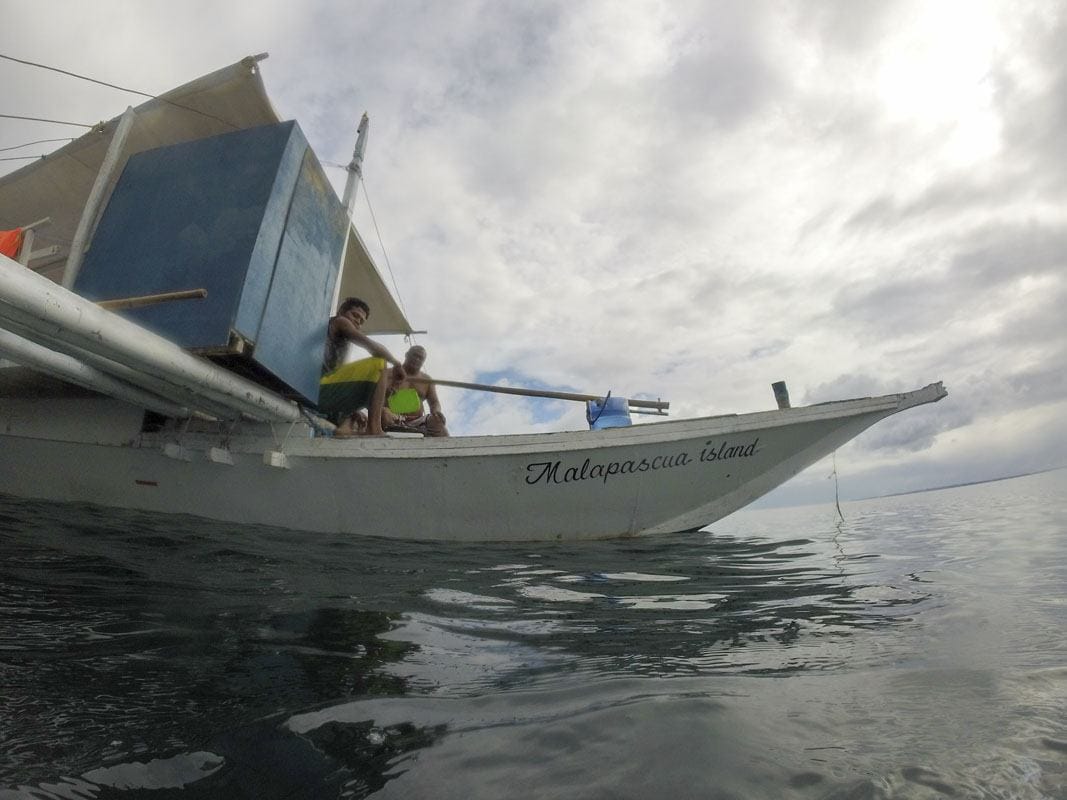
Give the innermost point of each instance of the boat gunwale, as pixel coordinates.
(665, 433)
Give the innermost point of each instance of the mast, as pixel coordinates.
(355, 166)
(355, 175)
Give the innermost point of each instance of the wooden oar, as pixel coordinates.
(657, 405)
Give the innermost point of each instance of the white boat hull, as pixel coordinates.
(646, 479)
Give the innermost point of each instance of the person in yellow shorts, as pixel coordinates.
(346, 389)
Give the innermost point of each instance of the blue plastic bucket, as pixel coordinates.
(614, 412)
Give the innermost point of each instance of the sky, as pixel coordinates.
(676, 200)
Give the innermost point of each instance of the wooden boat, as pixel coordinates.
(134, 404)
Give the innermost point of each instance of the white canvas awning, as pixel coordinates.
(232, 98)
(360, 278)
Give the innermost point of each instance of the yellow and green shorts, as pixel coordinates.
(350, 387)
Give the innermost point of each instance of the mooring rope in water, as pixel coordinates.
(837, 494)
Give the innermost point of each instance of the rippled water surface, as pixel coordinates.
(917, 649)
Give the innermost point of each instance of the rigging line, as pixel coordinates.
(39, 119)
(381, 244)
(114, 86)
(39, 141)
(73, 75)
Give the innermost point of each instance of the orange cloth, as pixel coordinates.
(10, 242)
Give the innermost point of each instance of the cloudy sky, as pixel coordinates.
(686, 200)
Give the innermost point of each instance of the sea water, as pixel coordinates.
(917, 648)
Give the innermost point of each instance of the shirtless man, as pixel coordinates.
(411, 377)
(346, 389)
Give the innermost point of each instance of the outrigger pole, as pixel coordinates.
(657, 406)
(35, 308)
(67, 368)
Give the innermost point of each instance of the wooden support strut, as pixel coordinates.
(121, 303)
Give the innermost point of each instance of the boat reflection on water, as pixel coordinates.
(327, 652)
(712, 605)
(527, 644)
(144, 656)
(330, 652)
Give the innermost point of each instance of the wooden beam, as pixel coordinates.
(658, 405)
(151, 299)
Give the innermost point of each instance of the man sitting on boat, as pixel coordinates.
(409, 388)
(348, 388)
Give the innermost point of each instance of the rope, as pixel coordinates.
(110, 86)
(837, 496)
(53, 121)
(27, 144)
(321, 426)
(73, 75)
(396, 289)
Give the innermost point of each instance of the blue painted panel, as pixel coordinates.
(250, 217)
(265, 251)
(187, 216)
(293, 330)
